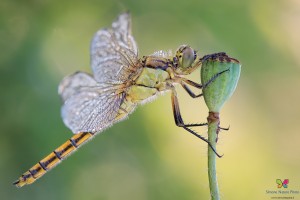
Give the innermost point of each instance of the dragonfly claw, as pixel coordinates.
(224, 129)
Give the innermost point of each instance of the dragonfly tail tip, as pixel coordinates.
(18, 183)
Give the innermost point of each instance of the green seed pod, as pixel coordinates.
(219, 76)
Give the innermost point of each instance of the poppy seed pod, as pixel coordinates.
(219, 76)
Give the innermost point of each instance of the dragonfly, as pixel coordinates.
(120, 82)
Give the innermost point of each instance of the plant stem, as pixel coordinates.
(213, 129)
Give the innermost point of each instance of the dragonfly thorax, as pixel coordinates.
(156, 62)
(149, 83)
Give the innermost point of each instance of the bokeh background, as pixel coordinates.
(147, 156)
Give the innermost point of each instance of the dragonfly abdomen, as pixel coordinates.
(53, 159)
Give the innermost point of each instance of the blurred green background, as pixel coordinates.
(147, 156)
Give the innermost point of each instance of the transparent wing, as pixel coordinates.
(71, 84)
(88, 105)
(114, 51)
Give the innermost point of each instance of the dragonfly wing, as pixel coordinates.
(88, 105)
(71, 84)
(113, 51)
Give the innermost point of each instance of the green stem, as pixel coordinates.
(213, 129)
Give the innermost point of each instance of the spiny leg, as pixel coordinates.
(202, 138)
(179, 121)
(189, 91)
(193, 95)
(224, 129)
(192, 83)
(185, 81)
(214, 78)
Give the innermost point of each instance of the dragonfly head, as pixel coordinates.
(185, 60)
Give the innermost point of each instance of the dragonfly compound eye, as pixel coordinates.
(186, 57)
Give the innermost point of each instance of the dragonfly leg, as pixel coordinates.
(192, 83)
(184, 83)
(214, 78)
(180, 123)
(224, 129)
(189, 91)
(197, 124)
